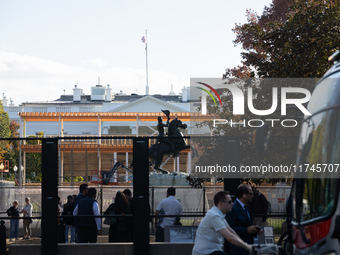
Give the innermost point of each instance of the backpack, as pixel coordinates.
(68, 210)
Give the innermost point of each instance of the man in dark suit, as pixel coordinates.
(241, 220)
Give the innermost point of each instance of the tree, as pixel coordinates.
(289, 39)
(5, 132)
(33, 160)
(13, 153)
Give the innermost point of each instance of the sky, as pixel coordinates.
(47, 47)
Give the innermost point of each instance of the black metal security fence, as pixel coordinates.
(193, 201)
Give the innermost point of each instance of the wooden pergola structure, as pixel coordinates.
(93, 152)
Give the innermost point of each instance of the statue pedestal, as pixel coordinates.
(169, 180)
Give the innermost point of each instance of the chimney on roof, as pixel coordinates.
(172, 90)
(76, 94)
(185, 94)
(4, 100)
(108, 96)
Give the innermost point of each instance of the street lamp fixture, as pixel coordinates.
(2, 170)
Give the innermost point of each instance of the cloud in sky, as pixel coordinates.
(26, 78)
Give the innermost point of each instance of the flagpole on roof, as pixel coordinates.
(144, 40)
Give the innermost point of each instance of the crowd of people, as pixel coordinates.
(227, 228)
(80, 229)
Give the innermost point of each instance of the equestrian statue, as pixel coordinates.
(171, 144)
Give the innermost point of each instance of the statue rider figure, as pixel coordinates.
(161, 136)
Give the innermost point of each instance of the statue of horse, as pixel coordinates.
(158, 151)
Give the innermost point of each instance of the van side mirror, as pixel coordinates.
(261, 137)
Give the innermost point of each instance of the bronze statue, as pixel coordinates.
(161, 135)
(171, 144)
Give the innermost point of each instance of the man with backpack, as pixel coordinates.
(83, 190)
(88, 227)
(68, 210)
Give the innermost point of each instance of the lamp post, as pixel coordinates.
(2, 170)
(15, 169)
(22, 171)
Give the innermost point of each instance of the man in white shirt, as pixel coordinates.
(214, 228)
(168, 206)
(89, 227)
(27, 211)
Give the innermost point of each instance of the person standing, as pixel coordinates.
(241, 220)
(168, 206)
(27, 211)
(129, 198)
(13, 212)
(121, 230)
(259, 206)
(214, 228)
(88, 227)
(68, 210)
(83, 190)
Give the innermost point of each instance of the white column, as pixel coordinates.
(126, 164)
(24, 168)
(177, 163)
(189, 163)
(99, 130)
(62, 128)
(20, 142)
(115, 161)
(137, 126)
(24, 130)
(19, 167)
(99, 142)
(59, 154)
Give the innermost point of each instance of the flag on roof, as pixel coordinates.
(143, 39)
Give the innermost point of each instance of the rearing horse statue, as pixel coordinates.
(159, 150)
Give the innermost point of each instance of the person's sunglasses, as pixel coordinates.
(229, 202)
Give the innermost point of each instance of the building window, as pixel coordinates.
(86, 109)
(39, 109)
(63, 109)
(15, 109)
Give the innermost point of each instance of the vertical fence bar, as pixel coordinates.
(231, 157)
(49, 224)
(141, 196)
(3, 231)
(101, 206)
(152, 207)
(204, 201)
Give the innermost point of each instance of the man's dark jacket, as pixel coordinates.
(238, 220)
(85, 207)
(75, 203)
